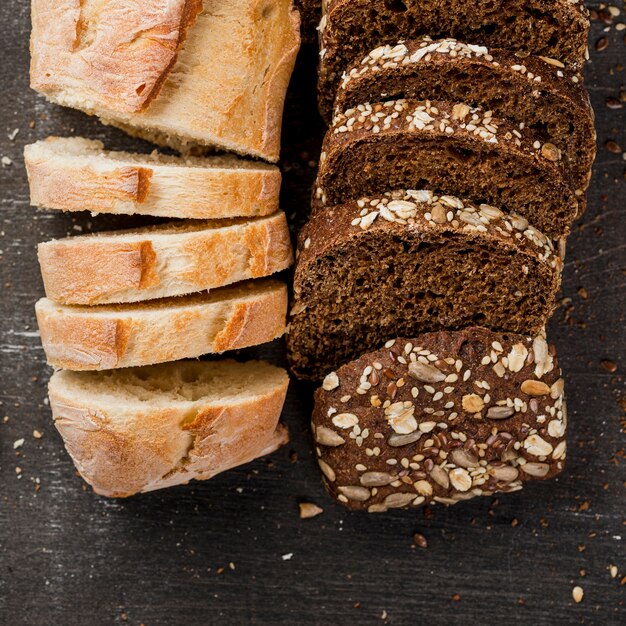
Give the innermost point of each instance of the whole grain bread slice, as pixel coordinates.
(163, 261)
(77, 174)
(452, 149)
(224, 87)
(128, 335)
(351, 28)
(140, 429)
(441, 417)
(404, 263)
(538, 93)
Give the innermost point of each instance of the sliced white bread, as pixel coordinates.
(141, 429)
(182, 73)
(163, 261)
(127, 335)
(78, 174)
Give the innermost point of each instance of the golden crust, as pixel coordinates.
(76, 174)
(112, 53)
(226, 88)
(156, 263)
(124, 451)
(100, 338)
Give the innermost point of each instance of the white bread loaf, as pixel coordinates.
(77, 174)
(163, 261)
(127, 335)
(141, 429)
(182, 73)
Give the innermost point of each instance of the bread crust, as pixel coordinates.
(402, 67)
(104, 182)
(445, 123)
(441, 418)
(245, 47)
(100, 338)
(410, 216)
(342, 35)
(128, 449)
(159, 262)
(245, 114)
(113, 53)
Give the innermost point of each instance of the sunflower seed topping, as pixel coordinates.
(426, 373)
(345, 420)
(331, 382)
(328, 437)
(376, 479)
(353, 492)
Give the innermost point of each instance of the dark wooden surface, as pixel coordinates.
(215, 552)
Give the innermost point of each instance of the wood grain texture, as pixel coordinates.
(69, 557)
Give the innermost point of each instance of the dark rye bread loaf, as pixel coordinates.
(451, 149)
(538, 92)
(410, 262)
(441, 418)
(349, 29)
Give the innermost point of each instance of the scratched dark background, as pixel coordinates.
(215, 552)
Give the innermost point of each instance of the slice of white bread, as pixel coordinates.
(163, 261)
(221, 82)
(126, 335)
(141, 429)
(77, 174)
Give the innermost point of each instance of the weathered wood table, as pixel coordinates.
(234, 550)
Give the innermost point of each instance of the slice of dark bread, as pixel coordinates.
(349, 29)
(451, 149)
(409, 262)
(538, 92)
(443, 417)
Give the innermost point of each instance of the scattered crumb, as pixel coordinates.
(578, 594)
(613, 571)
(37, 434)
(609, 366)
(420, 540)
(287, 557)
(6, 161)
(308, 510)
(18, 443)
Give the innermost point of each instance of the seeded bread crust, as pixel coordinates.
(77, 174)
(410, 238)
(163, 261)
(444, 417)
(121, 63)
(105, 337)
(445, 146)
(349, 29)
(539, 92)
